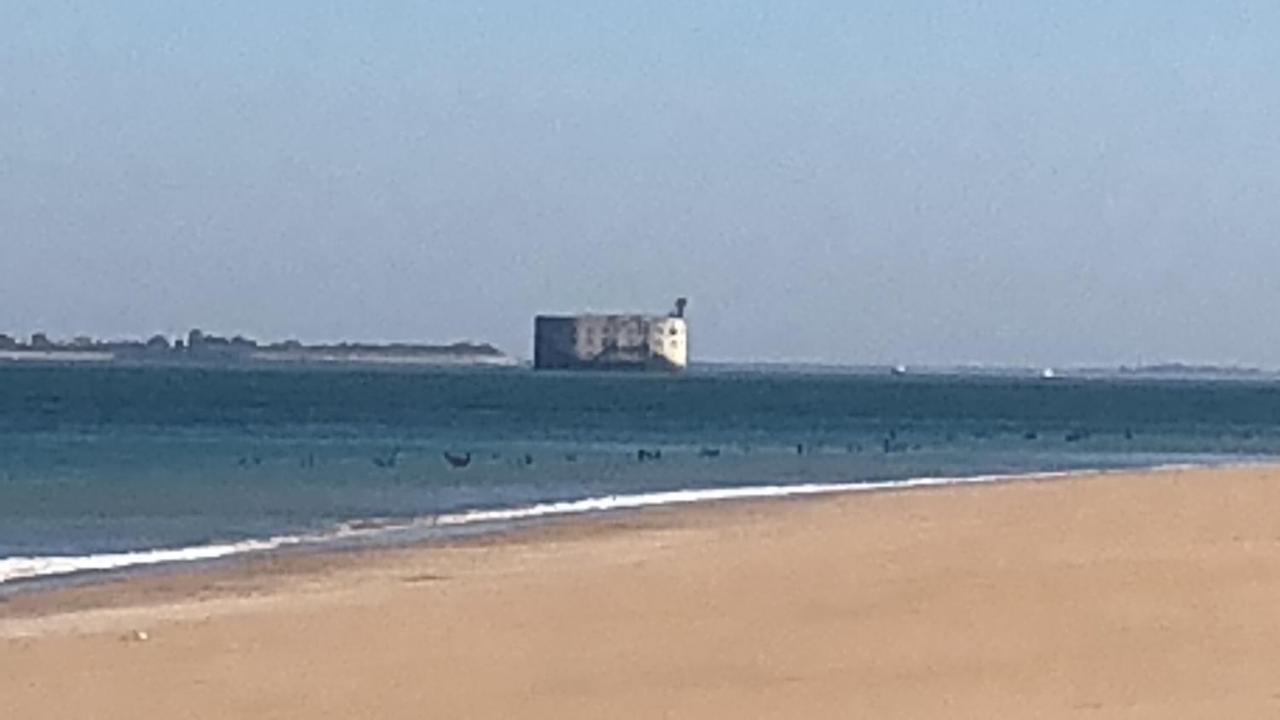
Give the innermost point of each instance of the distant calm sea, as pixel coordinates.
(104, 468)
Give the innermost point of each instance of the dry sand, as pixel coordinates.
(1135, 596)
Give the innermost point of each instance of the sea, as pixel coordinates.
(109, 469)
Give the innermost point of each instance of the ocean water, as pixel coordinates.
(110, 467)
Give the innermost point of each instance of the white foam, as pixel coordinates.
(18, 568)
(683, 497)
(21, 568)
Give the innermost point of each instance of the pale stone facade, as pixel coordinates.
(612, 342)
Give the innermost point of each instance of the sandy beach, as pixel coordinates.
(1135, 596)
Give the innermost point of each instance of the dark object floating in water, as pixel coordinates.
(1031, 435)
(799, 448)
(389, 461)
(528, 459)
(457, 461)
(645, 455)
(709, 453)
(571, 457)
(891, 445)
(1076, 436)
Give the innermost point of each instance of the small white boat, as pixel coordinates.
(1048, 374)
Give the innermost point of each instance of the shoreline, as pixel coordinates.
(20, 575)
(1147, 595)
(32, 598)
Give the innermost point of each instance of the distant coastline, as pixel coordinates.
(1183, 369)
(200, 349)
(1156, 371)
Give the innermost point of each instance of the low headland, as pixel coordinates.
(1117, 595)
(209, 350)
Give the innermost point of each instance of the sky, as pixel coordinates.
(1078, 182)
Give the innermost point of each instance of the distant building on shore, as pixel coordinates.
(612, 342)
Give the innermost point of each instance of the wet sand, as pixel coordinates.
(1135, 596)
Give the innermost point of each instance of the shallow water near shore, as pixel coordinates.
(105, 468)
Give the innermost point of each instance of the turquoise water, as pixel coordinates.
(103, 460)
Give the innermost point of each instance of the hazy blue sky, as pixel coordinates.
(1005, 181)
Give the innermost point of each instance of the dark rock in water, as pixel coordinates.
(892, 446)
(709, 453)
(389, 461)
(457, 461)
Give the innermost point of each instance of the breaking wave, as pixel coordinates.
(31, 567)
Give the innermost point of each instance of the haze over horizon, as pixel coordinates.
(1008, 183)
